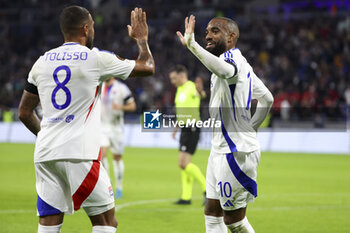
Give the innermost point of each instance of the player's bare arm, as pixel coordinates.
(216, 65)
(26, 113)
(262, 110)
(138, 31)
(128, 107)
(200, 89)
(173, 134)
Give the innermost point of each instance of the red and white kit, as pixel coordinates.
(68, 79)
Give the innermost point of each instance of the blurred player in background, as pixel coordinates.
(116, 99)
(187, 101)
(66, 80)
(235, 152)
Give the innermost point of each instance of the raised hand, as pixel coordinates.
(138, 30)
(190, 23)
(200, 87)
(199, 84)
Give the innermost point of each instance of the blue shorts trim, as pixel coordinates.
(248, 183)
(45, 209)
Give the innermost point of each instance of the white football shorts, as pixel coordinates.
(231, 178)
(113, 139)
(66, 185)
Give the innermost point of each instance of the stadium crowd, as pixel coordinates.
(304, 62)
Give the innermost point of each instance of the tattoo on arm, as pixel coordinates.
(145, 62)
(144, 51)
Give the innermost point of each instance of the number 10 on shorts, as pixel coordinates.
(225, 189)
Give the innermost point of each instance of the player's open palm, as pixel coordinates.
(190, 23)
(138, 30)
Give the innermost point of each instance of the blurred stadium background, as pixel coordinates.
(300, 49)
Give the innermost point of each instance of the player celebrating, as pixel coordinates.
(66, 81)
(187, 101)
(234, 156)
(116, 98)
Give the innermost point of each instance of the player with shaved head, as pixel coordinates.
(235, 153)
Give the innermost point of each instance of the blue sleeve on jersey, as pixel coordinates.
(229, 59)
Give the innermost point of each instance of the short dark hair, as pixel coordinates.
(231, 24)
(178, 69)
(73, 18)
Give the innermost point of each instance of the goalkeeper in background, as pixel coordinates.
(187, 101)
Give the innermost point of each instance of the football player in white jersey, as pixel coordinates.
(66, 80)
(116, 99)
(235, 153)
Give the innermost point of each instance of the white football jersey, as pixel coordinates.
(117, 93)
(230, 103)
(68, 80)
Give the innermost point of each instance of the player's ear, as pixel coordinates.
(86, 30)
(231, 37)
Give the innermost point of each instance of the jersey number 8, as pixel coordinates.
(61, 85)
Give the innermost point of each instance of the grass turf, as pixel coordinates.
(298, 193)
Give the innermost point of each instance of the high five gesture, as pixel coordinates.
(189, 29)
(138, 30)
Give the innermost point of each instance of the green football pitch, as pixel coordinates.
(297, 193)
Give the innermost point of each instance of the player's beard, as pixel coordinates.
(219, 48)
(90, 41)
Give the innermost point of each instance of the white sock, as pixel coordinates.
(49, 229)
(103, 229)
(105, 164)
(242, 226)
(214, 224)
(119, 173)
